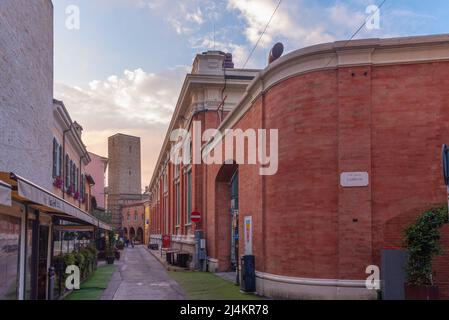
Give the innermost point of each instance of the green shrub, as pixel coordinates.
(69, 259)
(422, 242)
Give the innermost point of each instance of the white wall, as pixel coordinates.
(26, 89)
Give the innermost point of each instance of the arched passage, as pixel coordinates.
(226, 217)
(139, 237)
(132, 233)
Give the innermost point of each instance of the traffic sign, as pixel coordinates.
(195, 217)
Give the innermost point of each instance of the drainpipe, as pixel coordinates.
(64, 165)
(79, 185)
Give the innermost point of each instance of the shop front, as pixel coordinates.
(35, 227)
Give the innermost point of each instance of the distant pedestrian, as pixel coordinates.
(132, 242)
(127, 242)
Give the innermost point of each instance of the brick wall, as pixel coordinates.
(389, 121)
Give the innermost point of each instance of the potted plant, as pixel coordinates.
(110, 248)
(423, 245)
(70, 190)
(110, 255)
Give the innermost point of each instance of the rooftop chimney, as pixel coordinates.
(78, 128)
(212, 62)
(228, 63)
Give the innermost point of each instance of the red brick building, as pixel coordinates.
(374, 110)
(135, 222)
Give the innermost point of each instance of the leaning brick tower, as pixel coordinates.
(124, 174)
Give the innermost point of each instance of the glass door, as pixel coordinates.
(234, 221)
(42, 270)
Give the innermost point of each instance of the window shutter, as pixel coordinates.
(67, 171)
(55, 157)
(60, 161)
(77, 179)
(70, 173)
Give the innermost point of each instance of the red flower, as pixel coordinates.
(70, 190)
(58, 182)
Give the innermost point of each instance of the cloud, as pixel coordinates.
(187, 16)
(239, 52)
(136, 103)
(287, 23)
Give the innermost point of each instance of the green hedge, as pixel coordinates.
(85, 259)
(422, 240)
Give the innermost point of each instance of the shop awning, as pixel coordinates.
(5, 194)
(30, 192)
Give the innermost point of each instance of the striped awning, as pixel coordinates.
(5, 194)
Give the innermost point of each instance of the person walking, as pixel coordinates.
(132, 242)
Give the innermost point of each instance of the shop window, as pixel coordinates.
(9, 257)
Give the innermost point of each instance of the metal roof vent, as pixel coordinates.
(276, 52)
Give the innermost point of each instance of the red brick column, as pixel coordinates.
(354, 155)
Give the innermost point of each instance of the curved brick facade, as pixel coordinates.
(374, 106)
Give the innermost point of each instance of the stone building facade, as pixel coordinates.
(124, 174)
(377, 110)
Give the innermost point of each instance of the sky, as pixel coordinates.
(122, 70)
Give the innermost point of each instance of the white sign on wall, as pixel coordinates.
(248, 234)
(354, 179)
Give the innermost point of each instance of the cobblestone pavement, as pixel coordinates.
(140, 276)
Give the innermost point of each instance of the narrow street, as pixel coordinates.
(140, 276)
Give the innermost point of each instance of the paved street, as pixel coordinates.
(141, 277)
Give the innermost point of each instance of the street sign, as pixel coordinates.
(354, 179)
(195, 217)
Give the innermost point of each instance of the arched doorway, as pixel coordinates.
(125, 233)
(132, 233)
(227, 217)
(139, 237)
